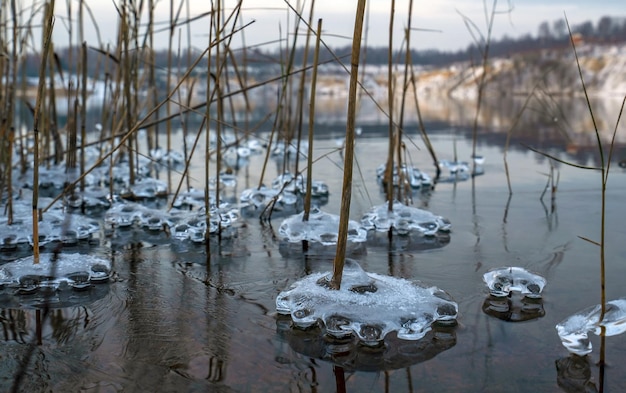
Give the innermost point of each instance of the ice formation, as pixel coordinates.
(368, 305)
(574, 374)
(410, 175)
(193, 225)
(502, 281)
(183, 225)
(514, 309)
(55, 226)
(145, 189)
(259, 197)
(50, 279)
(92, 198)
(285, 194)
(350, 355)
(452, 171)
(192, 199)
(320, 228)
(404, 220)
(280, 149)
(574, 330)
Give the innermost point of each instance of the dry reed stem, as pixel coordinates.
(47, 39)
(300, 104)
(139, 124)
(309, 169)
(344, 217)
(390, 98)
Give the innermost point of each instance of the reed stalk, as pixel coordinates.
(127, 80)
(7, 131)
(309, 168)
(405, 86)
(136, 126)
(83, 112)
(604, 169)
(482, 82)
(605, 165)
(300, 105)
(48, 24)
(390, 99)
(172, 25)
(346, 193)
(218, 125)
(207, 140)
(285, 77)
(152, 143)
(420, 121)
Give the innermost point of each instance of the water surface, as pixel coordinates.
(176, 319)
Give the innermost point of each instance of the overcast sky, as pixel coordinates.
(441, 20)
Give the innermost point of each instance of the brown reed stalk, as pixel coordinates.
(168, 83)
(300, 104)
(604, 168)
(7, 131)
(127, 80)
(49, 116)
(83, 111)
(153, 131)
(138, 124)
(405, 87)
(309, 168)
(220, 114)
(346, 195)
(390, 98)
(420, 121)
(283, 97)
(482, 82)
(48, 24)
(207, 141)
(509, 133)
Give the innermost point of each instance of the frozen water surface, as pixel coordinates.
(55, 226)
(452, 171)
(368, 305)
(503, 281)
(321, 228)
(349, 354)
(404, 220)
(145, 189)
(65, 265)
(574, 330)
(26, 284)
(183, 225)
(408, 174)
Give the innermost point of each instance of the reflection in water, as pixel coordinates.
(514, 308)
(574, 374)
(411, 242)
(60, 327)
(348, 354)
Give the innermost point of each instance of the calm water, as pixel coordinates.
(176, 320)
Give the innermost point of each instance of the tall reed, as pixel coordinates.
(390, 99)
(48, 24)
(309, 168)
(346, 190)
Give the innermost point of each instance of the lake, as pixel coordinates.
(174, 319)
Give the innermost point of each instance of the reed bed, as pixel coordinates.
(129, 68)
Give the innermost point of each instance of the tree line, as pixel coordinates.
(550, 35)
